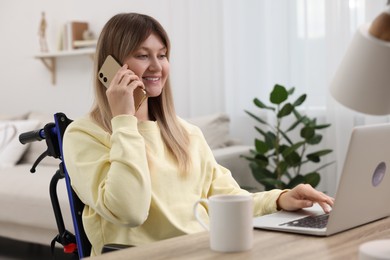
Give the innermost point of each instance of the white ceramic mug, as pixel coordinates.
(231, 228)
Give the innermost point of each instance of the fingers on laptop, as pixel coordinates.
(325, 201)
(304, 196)
(325, 207)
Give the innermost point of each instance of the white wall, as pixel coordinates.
(26, 82)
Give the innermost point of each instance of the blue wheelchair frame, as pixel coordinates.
(53, 134)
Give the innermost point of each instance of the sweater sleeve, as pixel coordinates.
(109, 172)
(222, 182)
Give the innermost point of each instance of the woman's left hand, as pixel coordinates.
(304, 196)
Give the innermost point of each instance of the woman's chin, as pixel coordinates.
(153, 92)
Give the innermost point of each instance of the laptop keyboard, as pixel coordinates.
(319, 221)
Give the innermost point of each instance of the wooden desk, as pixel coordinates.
(267, 245)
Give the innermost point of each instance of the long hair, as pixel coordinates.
(121, 36)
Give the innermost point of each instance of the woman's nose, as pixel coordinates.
(155, 64)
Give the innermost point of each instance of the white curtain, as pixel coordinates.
(226, 52)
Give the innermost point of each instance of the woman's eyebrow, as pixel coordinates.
(146, 48)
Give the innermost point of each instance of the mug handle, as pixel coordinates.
(206, 201)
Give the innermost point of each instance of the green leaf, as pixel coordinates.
(322, 126)
(295, 124)
(291, 91)
(282, 167)
(297, 114)
(278, 95)
(258, 162)
(315, 157)
(307, 132)
(285, 111)
(322, 152)
(285, 136)
(291, 149)
(256, 117)
(261, 147)
(323, 166)
(295, 181)
(281, 148)
(260, 173)
(293, 159)
(312, 178)
(261, 131)
(260, 104)
(316, 139)
(313, 122)
(270, 140)
(304, 119)
(272, 183)
(300, 100)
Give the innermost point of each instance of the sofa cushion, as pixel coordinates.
(215, 129)
(25, 200)
(13, 117)
(11, 150)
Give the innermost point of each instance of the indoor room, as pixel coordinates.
(276, 94)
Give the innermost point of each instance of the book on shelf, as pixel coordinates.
(84, 43)
(73, 35)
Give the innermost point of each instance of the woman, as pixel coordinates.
(140, 171)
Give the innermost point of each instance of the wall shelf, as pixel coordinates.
(49, 58)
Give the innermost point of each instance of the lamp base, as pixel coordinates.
(375, 250)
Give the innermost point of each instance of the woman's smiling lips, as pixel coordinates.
(151, 79)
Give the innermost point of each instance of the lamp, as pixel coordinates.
(362, 82)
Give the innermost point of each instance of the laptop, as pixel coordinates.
(363, 193)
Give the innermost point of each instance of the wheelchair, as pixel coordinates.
(78, 243)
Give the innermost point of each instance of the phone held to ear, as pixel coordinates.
(107, 72)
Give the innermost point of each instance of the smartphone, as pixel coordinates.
(107, 72)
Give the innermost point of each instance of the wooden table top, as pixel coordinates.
(267, 245)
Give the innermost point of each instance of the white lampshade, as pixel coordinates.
(362, 82)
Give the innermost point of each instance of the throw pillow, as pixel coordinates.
(13, 117)
(11, 150)
(215, 129)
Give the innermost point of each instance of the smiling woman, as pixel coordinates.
(150, 63)
(139, 172)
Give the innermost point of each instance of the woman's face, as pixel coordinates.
(149, 62)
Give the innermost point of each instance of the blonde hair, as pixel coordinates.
(121, 36)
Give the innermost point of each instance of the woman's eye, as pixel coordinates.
(162, 56)
(142, 56)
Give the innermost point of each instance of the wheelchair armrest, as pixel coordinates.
(113, 247)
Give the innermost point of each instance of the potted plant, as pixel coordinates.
(278, 159)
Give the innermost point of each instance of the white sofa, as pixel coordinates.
(26, 211)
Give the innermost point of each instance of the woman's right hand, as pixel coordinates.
(120, 92)
(304, 196)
